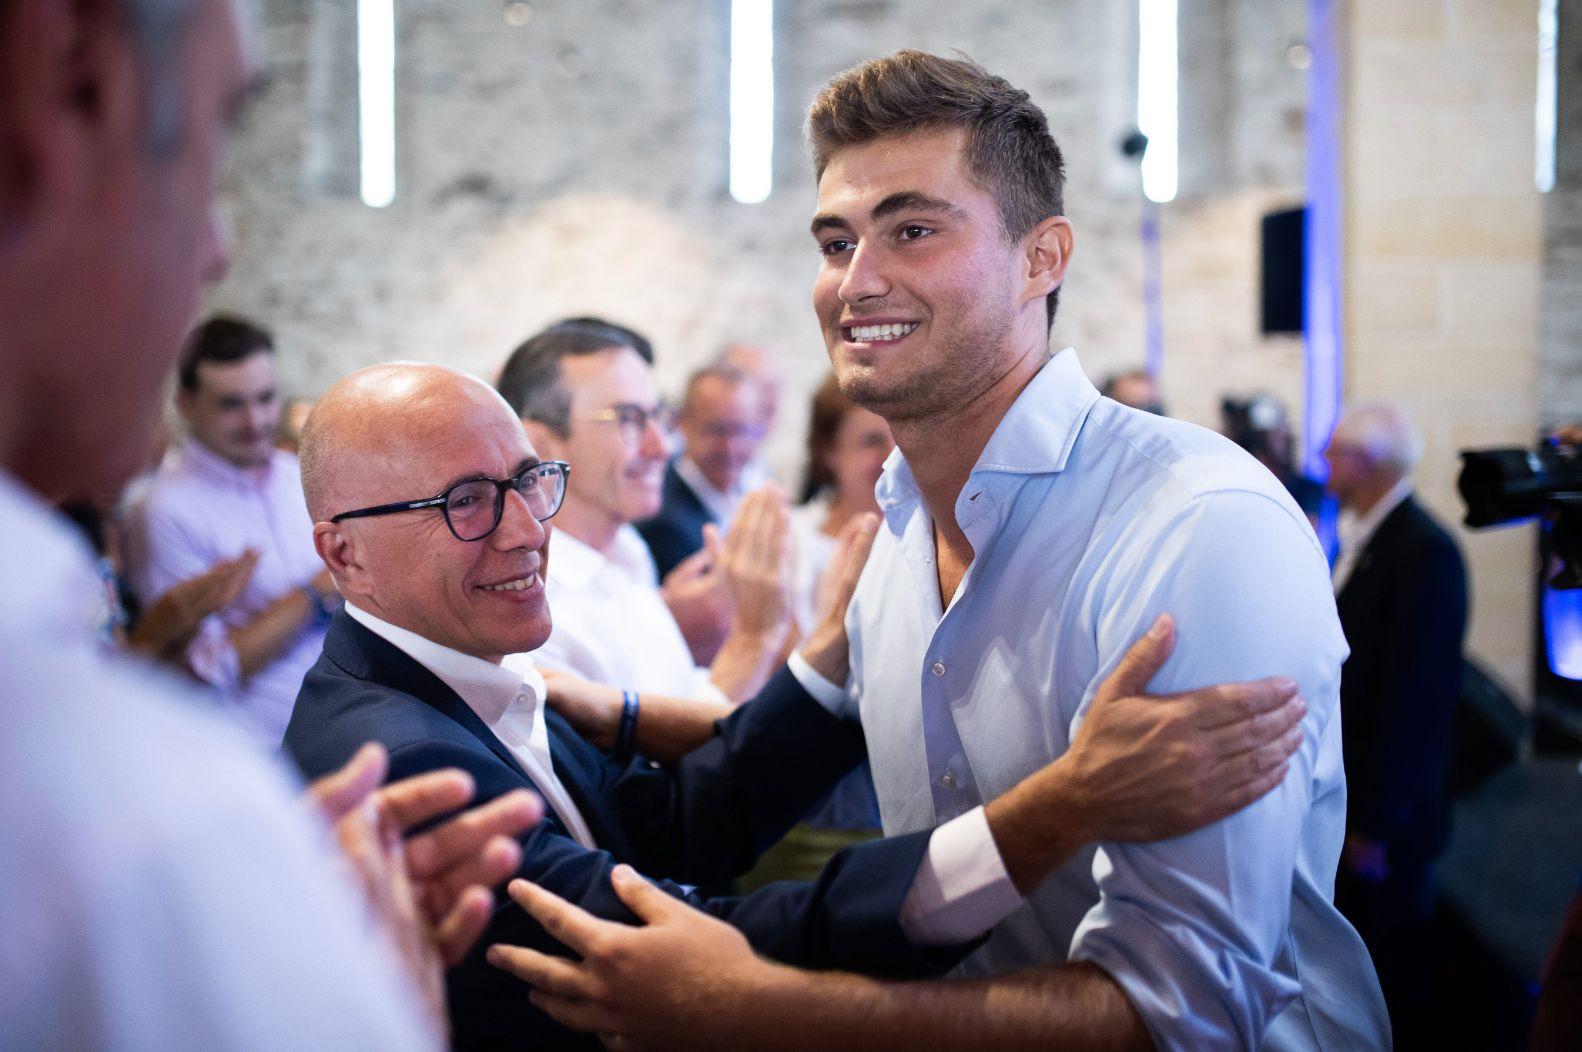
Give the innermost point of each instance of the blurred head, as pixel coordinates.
(586, 397)
(1135, 388)
(1373, 448)
(758, 363)
(292, 421)
(409, 432)
(227, 393)
(113, 117)
(940, 193)
(846, 447)
(722, 423)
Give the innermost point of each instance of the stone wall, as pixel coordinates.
(1443, 261)
(578, 164)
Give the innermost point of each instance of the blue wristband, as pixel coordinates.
(626, 736)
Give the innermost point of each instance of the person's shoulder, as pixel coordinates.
(336, 712)
(1174, 464)
(110, 753)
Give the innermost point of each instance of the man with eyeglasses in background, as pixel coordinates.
(586, 394)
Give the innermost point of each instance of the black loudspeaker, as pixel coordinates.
(1281, 297)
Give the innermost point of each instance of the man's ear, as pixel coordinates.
(70, 102)
(1049, 246)
(343, 556)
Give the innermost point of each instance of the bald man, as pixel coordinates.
(430, 507)
(1401, 590)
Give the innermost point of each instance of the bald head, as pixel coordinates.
(1374, 447)
(404, 433)
(370, 431)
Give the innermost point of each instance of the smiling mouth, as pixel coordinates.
(520, 584)
(889, 332)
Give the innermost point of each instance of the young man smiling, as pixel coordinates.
(1031, 531)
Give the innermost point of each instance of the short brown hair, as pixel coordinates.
(1008, 151)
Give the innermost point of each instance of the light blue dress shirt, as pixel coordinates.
(1087, 520)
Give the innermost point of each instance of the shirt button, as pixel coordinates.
(947, 780)
(938, 668)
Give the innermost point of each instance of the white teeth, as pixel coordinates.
(521, 584)
(881, 333)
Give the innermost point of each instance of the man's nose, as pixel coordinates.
(864, 277)
(518, 527)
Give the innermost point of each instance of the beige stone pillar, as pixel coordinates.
(1443, 259)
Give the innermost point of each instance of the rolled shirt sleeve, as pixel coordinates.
(1191, 928)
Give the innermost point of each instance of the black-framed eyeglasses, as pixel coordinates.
(473, 507)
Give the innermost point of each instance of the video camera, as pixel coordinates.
(1507, 485)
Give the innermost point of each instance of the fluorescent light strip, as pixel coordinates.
(1156, 95)
(752, 100)
(1544, 114)
(376, 99)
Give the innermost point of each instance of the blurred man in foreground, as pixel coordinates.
(160, 885)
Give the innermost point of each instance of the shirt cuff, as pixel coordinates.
(830, 695)
(962, 889)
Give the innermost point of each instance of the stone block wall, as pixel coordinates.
(1443, 254)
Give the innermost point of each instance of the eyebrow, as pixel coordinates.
(900, 201)
(478, 476)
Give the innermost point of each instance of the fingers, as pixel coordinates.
(713, 547)
(464, 836)
(1233, 738)
(1247, 793)
(578, 1015)
(642, 898)
(570, 924)
(545, 972)
(413, 801)
(1238, 702)
(459, 928)
(340, 792)
(1142, 662)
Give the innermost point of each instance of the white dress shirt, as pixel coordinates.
(1088, 520)
(611, 625)
(509, 701)
(161, 886)
(1355, 531)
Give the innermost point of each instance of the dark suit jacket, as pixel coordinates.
(1404, 612)
(677, 531)
(703, 819)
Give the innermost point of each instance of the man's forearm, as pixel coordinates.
(1075, 1007)
(669, 728)
(273, 629)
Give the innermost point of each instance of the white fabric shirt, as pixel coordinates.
(1088, 520)
(201, 509)
(1355, 531)
(815, 549)
(161, 886)
(610, 623)
(509, 701)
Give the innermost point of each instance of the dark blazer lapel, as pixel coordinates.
(366, 656)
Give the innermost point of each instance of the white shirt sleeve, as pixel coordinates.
(962, 889)
(833, 697)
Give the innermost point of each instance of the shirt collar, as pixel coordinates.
(1034, 437)
(693, 476)
(573, 563)
(201, 460)
(1357, 530)
(487, 688)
